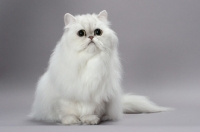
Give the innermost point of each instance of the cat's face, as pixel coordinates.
(89, 33)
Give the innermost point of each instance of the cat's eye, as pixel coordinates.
(81, 33)
(98, 32)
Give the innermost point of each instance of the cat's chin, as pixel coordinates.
(91, 48)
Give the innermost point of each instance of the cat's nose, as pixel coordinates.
(91, 37)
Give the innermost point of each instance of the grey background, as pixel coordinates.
(159, 49)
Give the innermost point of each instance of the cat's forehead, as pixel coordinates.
(88, 22)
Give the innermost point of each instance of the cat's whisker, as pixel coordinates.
(105, 47)
(82, 47)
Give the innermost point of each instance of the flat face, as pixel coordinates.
(88, 33)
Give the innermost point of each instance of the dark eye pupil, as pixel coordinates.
(98, 32)
(81, 33)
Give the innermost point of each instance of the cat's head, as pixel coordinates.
(89, 33)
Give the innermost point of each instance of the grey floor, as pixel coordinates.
(16, 98)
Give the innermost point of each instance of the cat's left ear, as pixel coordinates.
(103, 15)
(68, 18)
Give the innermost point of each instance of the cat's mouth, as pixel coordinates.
(91, 42)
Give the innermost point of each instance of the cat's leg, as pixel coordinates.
(91, 113)
(90, 119)
(71, 112)
(67, 112)
(70, 120)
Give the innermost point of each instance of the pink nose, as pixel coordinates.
(91, 37)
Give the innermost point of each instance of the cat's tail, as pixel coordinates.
(140, 104)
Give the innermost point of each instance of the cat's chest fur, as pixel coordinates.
(94, 74)
(96, 68)
(88, 80)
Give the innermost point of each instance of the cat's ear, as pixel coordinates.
(68, 18)
(103, 15)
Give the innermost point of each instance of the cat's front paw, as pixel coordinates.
(70, 120)
(90, 119)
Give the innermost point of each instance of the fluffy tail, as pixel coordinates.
(140, 104)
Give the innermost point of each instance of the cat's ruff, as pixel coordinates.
(82, 82)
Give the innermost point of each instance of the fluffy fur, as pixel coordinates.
(82, 82)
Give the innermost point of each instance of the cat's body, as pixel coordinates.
(82, 82)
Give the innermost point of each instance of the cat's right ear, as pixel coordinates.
(68, 18)
(103, 15)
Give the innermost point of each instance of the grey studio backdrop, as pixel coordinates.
(159, 49)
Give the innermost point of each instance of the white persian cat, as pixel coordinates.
(82, 84)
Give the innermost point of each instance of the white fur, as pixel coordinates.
(82, 82)
(140, 104)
